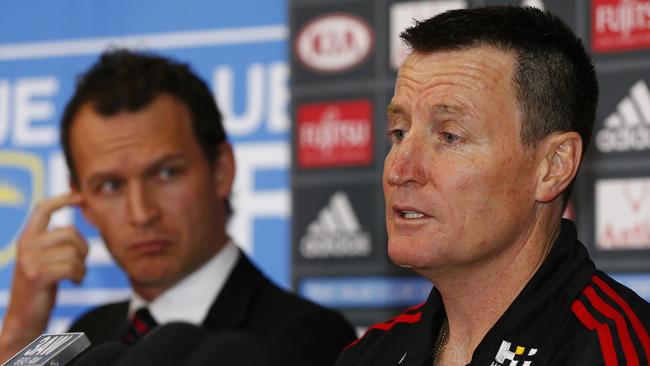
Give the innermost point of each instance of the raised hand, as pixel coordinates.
(43, 258)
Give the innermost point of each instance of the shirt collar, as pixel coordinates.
(190, 299)
(539, 310)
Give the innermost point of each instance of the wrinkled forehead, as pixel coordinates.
(474, 86)
(481, 62)
(481, 73)
(159, 128)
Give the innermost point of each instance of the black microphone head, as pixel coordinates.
(228, 349)
(104, 354)
(167, 345)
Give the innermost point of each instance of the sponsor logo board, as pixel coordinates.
(404, 15)
(335, 134)
(620, 25)
(627, 129)
(335, 232)
(334, 42)
(334, 222)
(539, 4)
(622, 213)
(363, 292)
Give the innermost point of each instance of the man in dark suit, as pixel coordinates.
(151, 168)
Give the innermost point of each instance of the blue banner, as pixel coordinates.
(239, 48)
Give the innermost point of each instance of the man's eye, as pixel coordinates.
(450, 138)
(397, 134)
(110, 186)
(168, 173)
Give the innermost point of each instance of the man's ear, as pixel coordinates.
(562, 153)
(224, 170)
(88, 214)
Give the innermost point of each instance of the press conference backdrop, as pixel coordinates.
(238, 47)
(344, 57)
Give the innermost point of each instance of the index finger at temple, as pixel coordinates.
(43, 210)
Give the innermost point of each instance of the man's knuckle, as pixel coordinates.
(41, 206)
(33, 274)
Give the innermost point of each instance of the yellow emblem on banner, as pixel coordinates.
(22, 180)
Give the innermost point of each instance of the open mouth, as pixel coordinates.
(411, 214)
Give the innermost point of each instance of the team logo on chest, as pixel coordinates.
(514, 356)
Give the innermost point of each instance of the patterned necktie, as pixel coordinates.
(141, 323)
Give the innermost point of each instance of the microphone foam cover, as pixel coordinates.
(168, 345)
(104, 354)
(228, 349)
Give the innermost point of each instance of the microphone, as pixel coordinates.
(167, 345)
(103, 355)
(50, 350)
(228, 349)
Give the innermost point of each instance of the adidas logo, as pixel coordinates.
(628, 129)
(336, 232)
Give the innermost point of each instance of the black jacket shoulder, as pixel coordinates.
(104, 323)
(291, 330)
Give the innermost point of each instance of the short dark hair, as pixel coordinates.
(554, 76)
(126, 80)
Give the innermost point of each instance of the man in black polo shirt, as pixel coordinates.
(492, 113)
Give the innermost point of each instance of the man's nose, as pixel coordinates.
(404, 163)
(143, 209)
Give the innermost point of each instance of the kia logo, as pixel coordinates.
(334, 42)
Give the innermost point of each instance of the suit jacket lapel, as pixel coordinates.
(232, 304)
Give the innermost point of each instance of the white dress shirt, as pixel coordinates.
(190, 299)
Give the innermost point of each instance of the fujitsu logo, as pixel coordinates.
(332, 131)
(620, 25)
(336, 133)
(519, 354)
(623, 17)
(628, 129)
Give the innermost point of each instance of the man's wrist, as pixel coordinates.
(15, 336)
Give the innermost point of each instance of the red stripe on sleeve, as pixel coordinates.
(604, 335)
(634, 319)
(623, 333)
